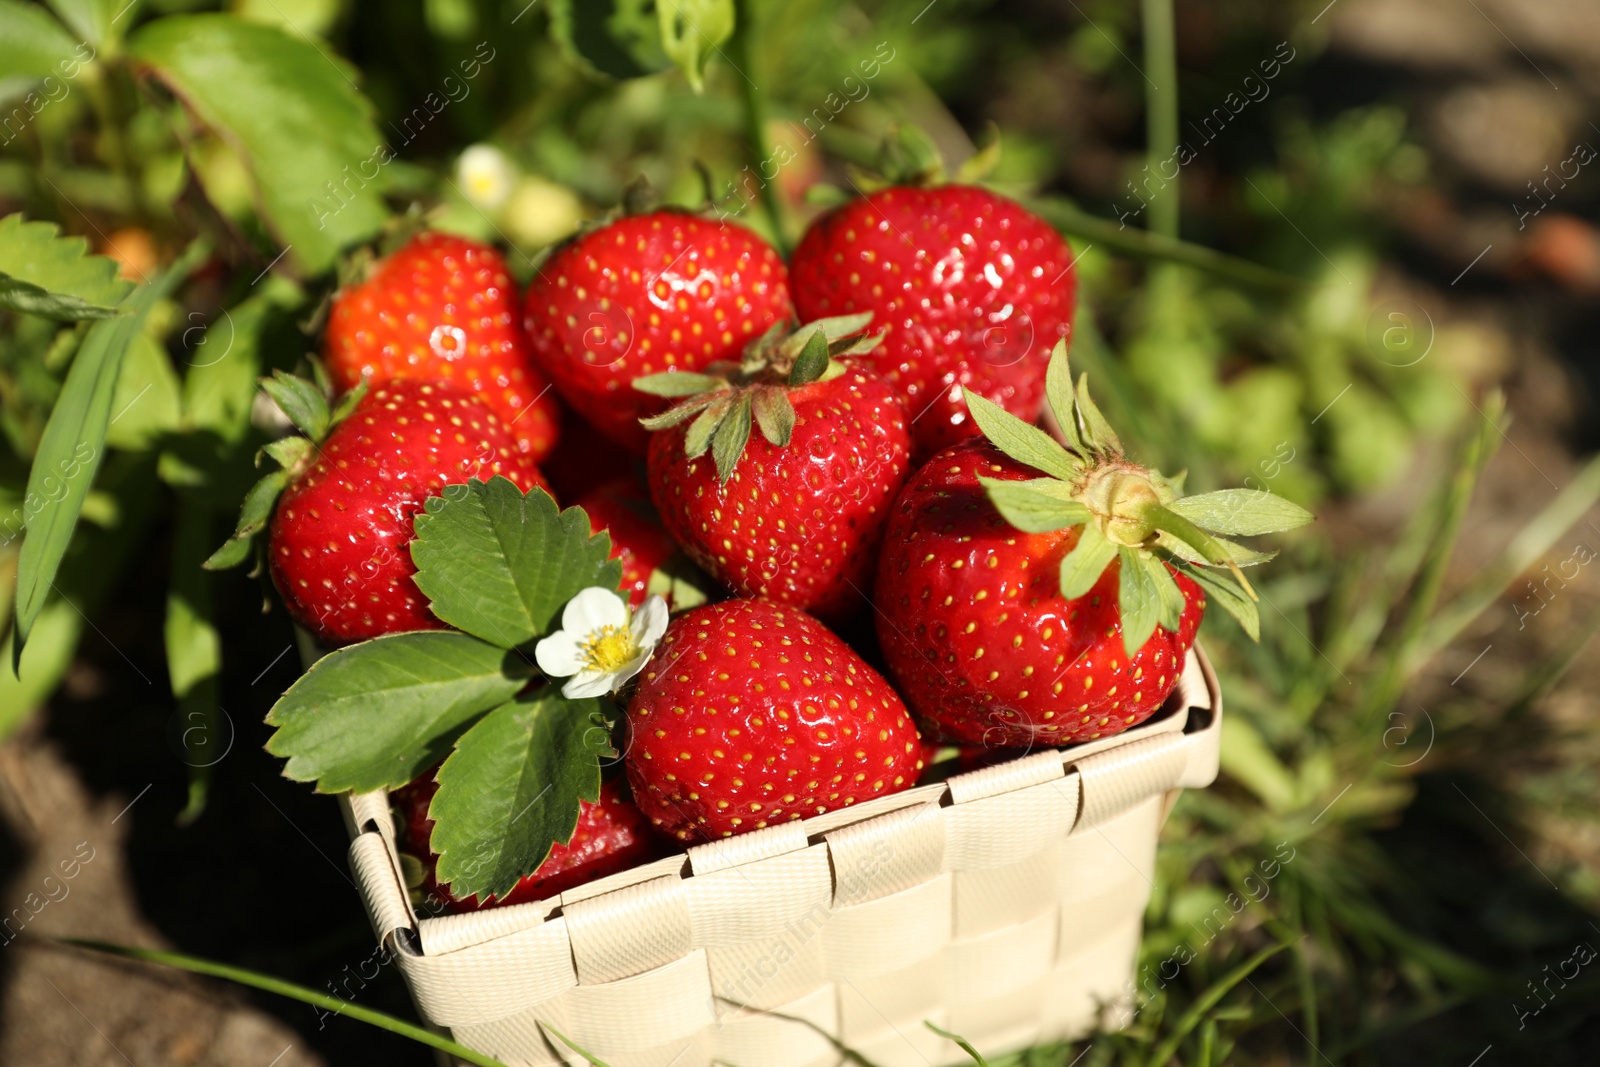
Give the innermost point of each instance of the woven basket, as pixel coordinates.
(1004, 905)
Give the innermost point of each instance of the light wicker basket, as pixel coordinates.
(1004, 904)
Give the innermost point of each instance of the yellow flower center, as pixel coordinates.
(609, 648)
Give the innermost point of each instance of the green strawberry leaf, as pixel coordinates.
(292, 113)
(1138, 599)
(678, 383)
(1082, 567)
(93, 20)
(45, 274)
(774, 415)
(1241, 511)
(512, 787)
(1022, 442)
(1036, 506)
(33, 47)
(1227, 595)
(727, 445)
(502, 566)
(73, 443)
(1172, 600)
(377, 714)
(680, 413)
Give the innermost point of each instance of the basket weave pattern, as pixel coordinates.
(1004, 904)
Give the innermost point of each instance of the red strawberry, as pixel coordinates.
(795, 512)
(974, 288)
(977, 634)
(443, 308)
(1017, 610)
(622, 508)
(648, 293)
(752, 713)
(338, 550)
(612, 835)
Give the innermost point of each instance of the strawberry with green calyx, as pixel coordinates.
(973, 287)
(340, 532)
(776, 475)
(1017, 609)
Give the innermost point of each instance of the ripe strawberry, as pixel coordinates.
(443, 308)
(645, 294)
(612, 835)
(752, 713)
(796, 512)
(1017, 610)
(973, 287)
(622, 508)
(338, 547)
(977, 634)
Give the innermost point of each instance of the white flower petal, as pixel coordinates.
(649, 622)
(592, 609)
(629, 669)
(588, 684)
(558, 655)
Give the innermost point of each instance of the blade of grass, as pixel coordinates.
(269, 984)
(966, 1046)
(1533, 541)
(1205, 1002)
(594, 1060)
(1401, 662)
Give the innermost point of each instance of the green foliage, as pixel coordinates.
(73, 445)
(501, 565)
(54, 276)
(511, 789)
(293, 113)
(377, 714)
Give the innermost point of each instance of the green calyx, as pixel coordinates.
(306, 406)
(1127, 512)
(726, 399)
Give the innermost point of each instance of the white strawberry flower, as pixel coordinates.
(485, 175)
(599, 646)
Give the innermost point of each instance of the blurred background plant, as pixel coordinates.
(1276, 210)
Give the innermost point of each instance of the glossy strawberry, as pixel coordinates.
(612, 835)
(795, 511)
(643, 295)
(977, 634)
(1031, 593)
(622, 508)
(339, 538)
(974, 289)
(752, 713)
(443, 308)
